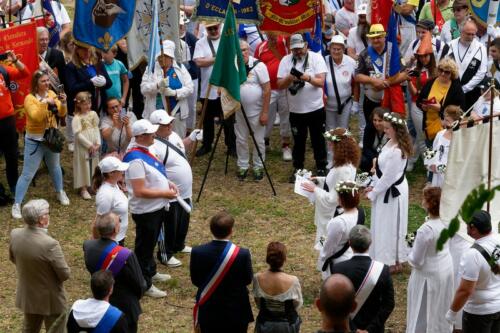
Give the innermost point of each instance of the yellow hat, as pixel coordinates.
(376, 30)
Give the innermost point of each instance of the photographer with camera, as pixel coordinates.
(302, 74)
(479, 289)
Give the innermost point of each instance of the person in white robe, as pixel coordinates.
(346, 157)
(430, 287)
(389, 195)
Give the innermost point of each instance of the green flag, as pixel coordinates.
(229, 68)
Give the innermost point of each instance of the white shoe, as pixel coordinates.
(155, 292)
(16, 211)
(174, 262)
(158, 277)
(85, 195)
(277, 120)
(186, 249)
(63, 198)
(71, 147)
(287, 153)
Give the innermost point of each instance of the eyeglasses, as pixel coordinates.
(442, 71)
(215, 28)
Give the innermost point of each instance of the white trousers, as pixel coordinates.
(334, 119)
(192, 99)
(243, 139)
(279, 105)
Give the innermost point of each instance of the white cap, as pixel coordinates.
(160, 117)
(168, 48)
(143, 126)
(362, 9)
(337, 39)
(111, 163)
(182, 18)
(297, 41)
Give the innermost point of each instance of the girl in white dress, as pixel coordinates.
(336, 248)
(346, 157)
(430, 288)
(85, 127)
(441, 146)
(389, 195)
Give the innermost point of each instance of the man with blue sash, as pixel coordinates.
(105, 254)
(149, 193)
(221, 271)
(407, 20)
(95, 314)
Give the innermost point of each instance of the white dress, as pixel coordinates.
(86, 130)
(325, 202)
(338, 230)
(441, 146)
(431, 287)
(389, 220)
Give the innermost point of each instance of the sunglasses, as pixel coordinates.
(440, 70)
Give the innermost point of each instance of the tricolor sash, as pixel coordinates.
(113, 258)
(144, 155)
(366, 287)
(377, 59)
(108, 321)
(225, 261)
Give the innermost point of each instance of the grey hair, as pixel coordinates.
(244, 42)
(105, 224)
(33, 211)
(360, 238)
(39, 30)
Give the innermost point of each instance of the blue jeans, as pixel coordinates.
(34, 152)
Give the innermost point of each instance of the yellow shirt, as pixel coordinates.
(38, 117)
(432, 119)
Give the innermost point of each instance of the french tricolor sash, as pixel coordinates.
(108, 321)
(144, 155)
(113, 258)
(220, 270)
(377, 59)
(366, 287)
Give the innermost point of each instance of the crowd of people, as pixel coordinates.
(129, 133)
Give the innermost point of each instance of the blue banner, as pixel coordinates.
(51, 23)
(247, 11)
(480, 8)
(102, 23)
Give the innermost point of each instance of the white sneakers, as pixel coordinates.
(186, 249)
(63, 198)
(155, 292)
(287, 153)
(16, 211)
(85, 195)
(158, 277)
(173, 262)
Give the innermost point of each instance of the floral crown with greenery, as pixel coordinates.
(393, 119)
(347, 186)
(329, 136)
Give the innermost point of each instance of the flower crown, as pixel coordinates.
(347, 186)
(329, 136)
(393, 119)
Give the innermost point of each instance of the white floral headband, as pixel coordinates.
(393, 119)
(347, 186)
(329, 136)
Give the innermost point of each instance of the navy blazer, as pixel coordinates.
(229, 306)
(379, 305)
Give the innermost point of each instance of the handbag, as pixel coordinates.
(53, 138)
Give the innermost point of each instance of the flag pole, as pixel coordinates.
(490, 147)
(200, 123)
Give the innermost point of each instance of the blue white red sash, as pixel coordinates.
(144, 155)
(377, 59)
(113, 258)
(108, 321)
(220, 270)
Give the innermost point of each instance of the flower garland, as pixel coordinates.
(329, 136)
(347, 186)
(393, 119)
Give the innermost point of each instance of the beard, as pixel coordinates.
(362, 30)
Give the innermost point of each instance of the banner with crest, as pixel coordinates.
(247, 11)
(486, 11)
(102, 23)
(138, 38)
(288, 16)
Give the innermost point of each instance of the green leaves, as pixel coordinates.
(474, 201)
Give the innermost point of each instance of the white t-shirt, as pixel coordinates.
(309, 98)
(251, 89)
(473, 267)
(118, 136)
(138, 169)
(345, 19)
(60, 14)
(202, 50)
(178, 169)
(110, 199)
(354, 41)
(344, 75)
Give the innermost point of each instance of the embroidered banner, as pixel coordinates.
(288, 16)
(101, 23)
(247, 11)
(486, 11)
(22, 40)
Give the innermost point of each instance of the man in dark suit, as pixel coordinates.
(53, 57)
(129, 283)
(228, 308)
(377, 307)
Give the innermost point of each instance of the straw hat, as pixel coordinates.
(376, 30)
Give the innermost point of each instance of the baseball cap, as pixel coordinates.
(111, 163)
(143, 126)
(481, 220)
(297, 41)
(160, 117)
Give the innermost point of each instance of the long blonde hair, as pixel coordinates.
(75, 58)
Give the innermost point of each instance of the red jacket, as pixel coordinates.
(6, 107)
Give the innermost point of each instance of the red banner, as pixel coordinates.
(22, 40)
(288, 16)
(381, 12)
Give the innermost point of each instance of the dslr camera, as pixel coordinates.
(296, 85)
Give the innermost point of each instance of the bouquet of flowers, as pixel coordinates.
(363, 179)
(429, 154)
(441, 168)
(410, 238)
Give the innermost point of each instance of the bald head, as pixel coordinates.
(337, 298)
(469, 31)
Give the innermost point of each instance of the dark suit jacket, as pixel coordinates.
(229, 306)
(455, 96)
(129, 283)
(77, 80)
(380, 303)
(55, 59)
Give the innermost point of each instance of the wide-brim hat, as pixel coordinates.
(209, 24)
(376, 30)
